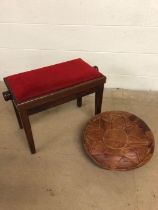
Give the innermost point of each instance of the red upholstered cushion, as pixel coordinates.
(38, 82)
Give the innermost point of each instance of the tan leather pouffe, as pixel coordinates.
(118, 140)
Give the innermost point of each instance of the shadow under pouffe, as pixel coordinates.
(118, 140)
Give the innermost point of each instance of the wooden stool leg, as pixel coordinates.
(17, 116)
(98, 99)
(28, 131)
(79, 101)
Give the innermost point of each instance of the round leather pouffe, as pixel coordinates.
(118, 140)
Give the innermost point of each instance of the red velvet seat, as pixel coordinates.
(31, 84)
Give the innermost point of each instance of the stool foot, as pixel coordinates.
(28, 130)
(98, 99)
(79, 101)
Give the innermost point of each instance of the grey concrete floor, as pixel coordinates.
(60, 175)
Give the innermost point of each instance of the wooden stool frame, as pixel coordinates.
(24, 109)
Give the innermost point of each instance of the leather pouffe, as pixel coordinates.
(118, 140)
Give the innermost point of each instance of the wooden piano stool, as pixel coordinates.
(39, 89)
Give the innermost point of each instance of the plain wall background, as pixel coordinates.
(120, 36)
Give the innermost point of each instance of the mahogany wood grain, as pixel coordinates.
(26, 108)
